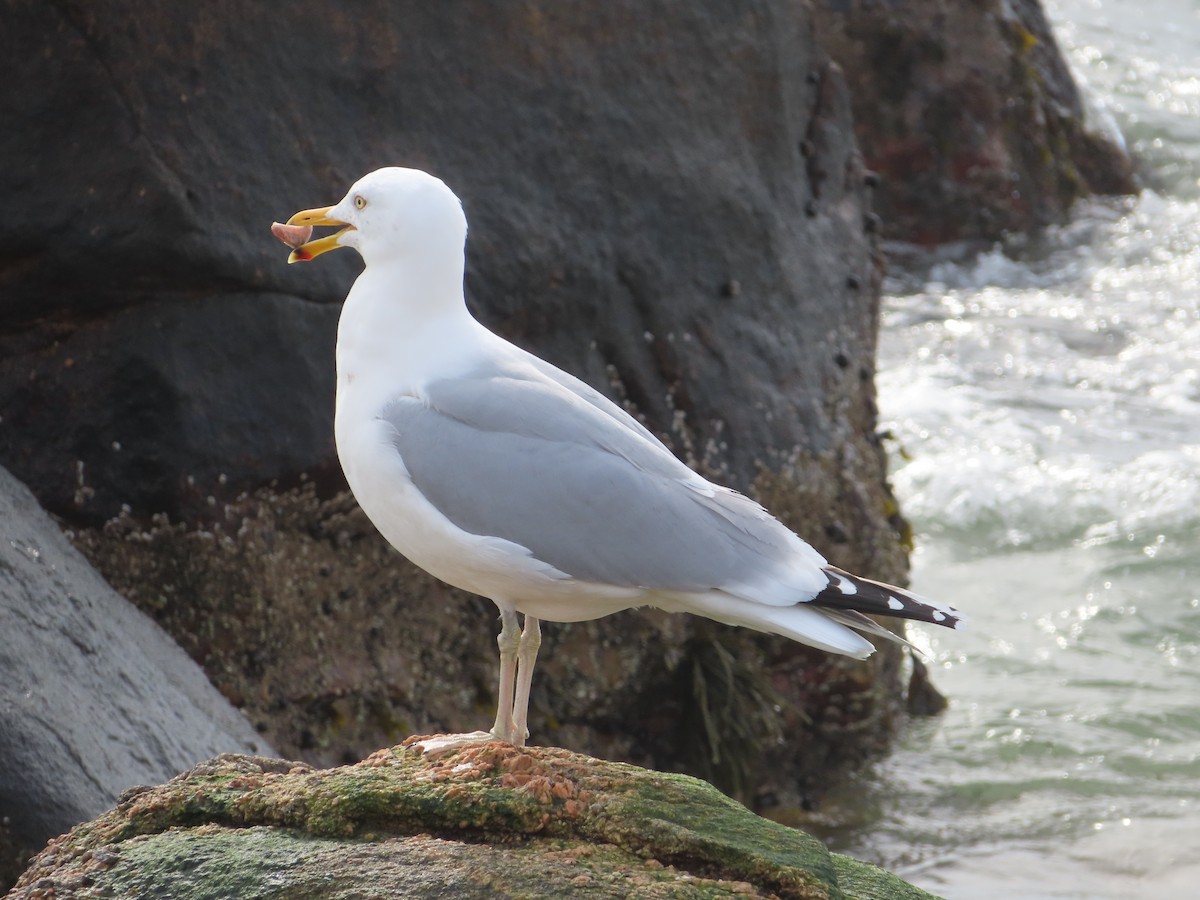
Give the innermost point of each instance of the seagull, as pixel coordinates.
(505, 476)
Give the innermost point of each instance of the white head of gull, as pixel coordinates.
(503, 475)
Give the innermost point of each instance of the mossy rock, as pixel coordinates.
(487, 821)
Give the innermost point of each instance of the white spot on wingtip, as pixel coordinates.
(894, 603)
(845, 585)
(939, 616)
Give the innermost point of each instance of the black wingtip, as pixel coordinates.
(853, 592)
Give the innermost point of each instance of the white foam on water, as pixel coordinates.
(1045, 409)
(1037, 400)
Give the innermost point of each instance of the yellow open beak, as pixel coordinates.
(313, 249)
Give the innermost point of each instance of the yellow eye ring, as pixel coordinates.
(360, 202)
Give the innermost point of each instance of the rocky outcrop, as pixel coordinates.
(94, 697)
(671, 206)
(969, 116)
(490, 821)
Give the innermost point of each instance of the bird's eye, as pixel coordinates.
(360, 201)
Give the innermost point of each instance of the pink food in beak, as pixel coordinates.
(292, 235)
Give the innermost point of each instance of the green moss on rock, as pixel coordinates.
(487, 821)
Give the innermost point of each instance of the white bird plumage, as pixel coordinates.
(504, 476)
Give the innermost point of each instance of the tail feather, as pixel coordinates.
(853, 593)
(864, 625)
(801, 622)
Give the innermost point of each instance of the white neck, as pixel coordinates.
(396, 316)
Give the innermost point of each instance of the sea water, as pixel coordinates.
(1044, 403)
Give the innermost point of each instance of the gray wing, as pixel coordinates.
(590, 394)
(529, 461)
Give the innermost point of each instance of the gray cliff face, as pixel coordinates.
(669, 205)
(94, 697)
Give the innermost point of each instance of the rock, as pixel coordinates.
(618, 173)
(670, 206)
(94, 697)
(969, 115)
(489, 821)
(14, 856)
(157, 405)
